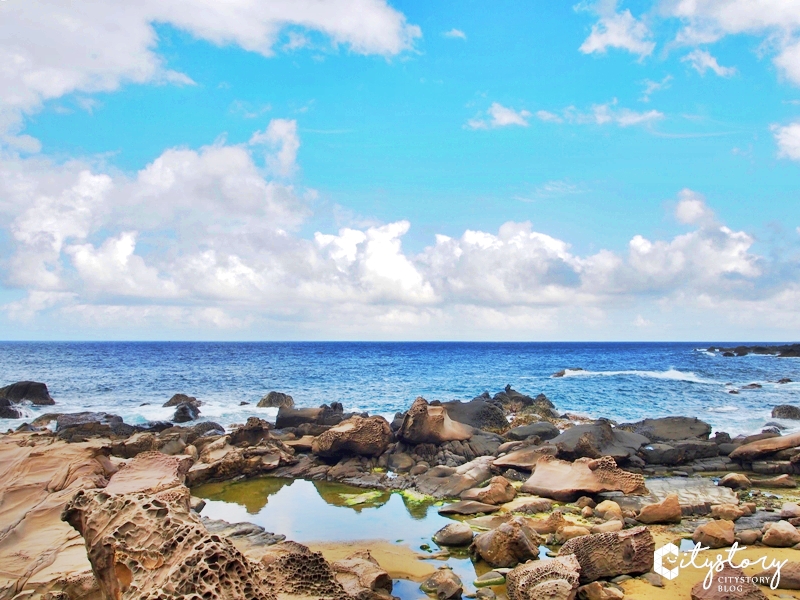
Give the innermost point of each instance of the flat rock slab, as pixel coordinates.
(525, 458)
(468, 507)
(695, 494)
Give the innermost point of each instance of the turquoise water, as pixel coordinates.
(622, 381)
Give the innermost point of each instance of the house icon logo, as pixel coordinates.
(658, 561)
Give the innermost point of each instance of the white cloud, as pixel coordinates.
(617, 30)
(500, 116)
(691, 208)
(99, 46)
(788, 139)
(702, 61)
(650, 87)
(601, 114)
(788, 62)
(281, 134)
(455, 33)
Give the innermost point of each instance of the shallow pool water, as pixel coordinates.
(308, 512)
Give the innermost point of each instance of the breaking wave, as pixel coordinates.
(670, 374)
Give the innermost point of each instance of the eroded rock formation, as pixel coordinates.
(610, 554)
(356, 436)
(566, 481)
(429, 424)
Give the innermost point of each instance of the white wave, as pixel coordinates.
(670, 374)
(722, 409)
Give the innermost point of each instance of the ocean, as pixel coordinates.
(620, 381)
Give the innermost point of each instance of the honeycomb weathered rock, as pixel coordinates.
(556, 578)
(611, 554)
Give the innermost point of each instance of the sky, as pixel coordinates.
(373, 170)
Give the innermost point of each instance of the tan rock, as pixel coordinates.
(790, 510)
(604, 555)
(781, 534)
(587, 512)
(608, 510)
(525, 458)
(554, 579)
(608, 526)
(551, 524)
(597, 591)
(529, 505)
(361, 436)
(736, 481)
(511, 543)
(714, 534)
(427, 424)
(499, 491)
(718, 590)
(359, 572)
(780, 481)
(565, 481)
(748, 537)
(754, 450)
(567, 532)
(729, 512)
(666, 511)
(789, 576)
(444, 584)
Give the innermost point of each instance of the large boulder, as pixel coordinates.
(728, 584)
(324, 415)
(34, 392)
(78, 427)
(511, 543)
(525, 458)
(679, 452)
(781, 534)
(444, 584)
(430, 424)
(185, 412)
(454, 534)
(605, 555)
(543, 430)
(596, 440)
(763, 447)
(499, 491)
(788, 576)
(786, 411)
(357, 435)
(668, 429)
(715, 534)
(292, 568)
(555, 579)
(7, 410)
(514, 401)
(178, 399)
(666, 511)
(276, 400)
(450, 482)
(360, 573)
(480, 412)
(565, 481)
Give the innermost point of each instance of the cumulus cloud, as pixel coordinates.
(691, 208)
(702, 61)
(788, 139)
(617, 30)
(500, 116)
(281, 134)
(455, 33)
(99, 46)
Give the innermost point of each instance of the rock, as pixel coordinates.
(31, 391)
(490, 578)
(666, 511)
(454, 534)
(219, 460)
(179, 399)
(783, 380)
(511, 543)
(429, 424)
(524, 458)
(295, 417)
(498, 491)
(653, 579)
(78, 427)
(468, 507)
(359, 436)
(565, 481)
(753, 450)
(786, 411)
(401, 462)
(781, 481)
(359, 572)
(563, 372)
(150, 472)
(529, 505)
(714, 534)
(185, 412)
(554, 579)
(253, 432)
(695, 494)
(513, 401)
(276, 400)
(669, 429)
(551, 524)
(444, 584)
(610, 554)
(735, 481)
(597, 591)
(790, 510)
(542, 430)
(748, 537)
(789, 576)
(7, 411)
(449, 482)
(727, 512)
(292, 568)
(597, 440)
(752, 386)
(608, 526)
(485, 594)
(567, 532)
(480, 412)
(131, 538)
(608, 509)
(728, 584)
(679, 452)
(781, 534)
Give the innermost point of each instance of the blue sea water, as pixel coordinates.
(621, 381)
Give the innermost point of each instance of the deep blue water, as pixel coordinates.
(622, 381)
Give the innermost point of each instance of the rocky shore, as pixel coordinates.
(92, 507)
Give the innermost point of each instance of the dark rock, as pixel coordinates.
(752, 386)
(397, 422)
(679, 452)
(480, 412)
(276, 400)
(179, 399)
(454, 534)
(251, 433)
(786, 411)
(186, 412)
(468, 507)
(784, 380)
(667, 429)
(514, 401)
(7, 411)
(543, 430)
(324, 415)
(596, 440)
(511, 543)
(78, 427)
(32, 391)
(444, 584)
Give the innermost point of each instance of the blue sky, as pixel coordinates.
(282, 170)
